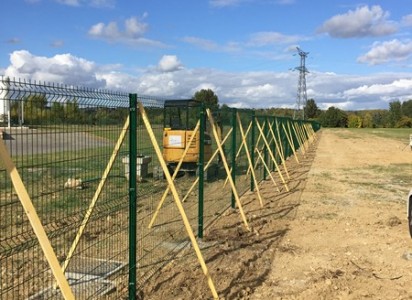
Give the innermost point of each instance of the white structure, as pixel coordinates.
(4, 101)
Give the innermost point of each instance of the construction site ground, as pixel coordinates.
(341, 232)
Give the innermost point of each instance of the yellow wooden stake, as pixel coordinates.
(206, 167)
(278, 150)
(222, 154)
(268, 170)
(249, 159)
(238, 152)
(282, 151)
(289, 138)
(159, 206)
(35, 222)
(273, 158)
(257, 149)
(297, 138)
(300, 138)
(177, 201)
(97, 194)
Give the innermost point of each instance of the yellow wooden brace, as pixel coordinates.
(206, 167)
(249, 159)
(289, 138)
(177, 200)
(268, 170)
(159, 206)
(35, 223)
(222, 154)
(299, 139)
(279, 139)
(238, 152)
(272, 157)
(97, 193)
(279, 151)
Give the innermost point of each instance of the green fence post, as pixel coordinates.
(265, 153)
(233, 174)
(252, 148)
(201, 171)
(132, 194)
(272, 126)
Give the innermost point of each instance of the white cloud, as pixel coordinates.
(169, 63)
(240, 89)
(260, 39)
(94, 3)
(57, 44)
(209, 45)
(382, 52)
(362, 22)
(62, 68)
(407, 20)
(132, 34)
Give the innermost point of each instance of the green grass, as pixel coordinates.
(399, 134)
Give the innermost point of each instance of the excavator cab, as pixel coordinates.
(180, 118)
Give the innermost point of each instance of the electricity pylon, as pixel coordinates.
(302, 98)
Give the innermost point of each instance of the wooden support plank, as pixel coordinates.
(177, 201)
(166, 192)
(303, 136)
(269, 172)
(223, 157)
(297, 137)
(257, 149)
(249, 159)
(35, 222)
(273, 158)
(279, 140)
(300, 137)
(238, 152)
(206, 167)
(290, 141)
(278, 150)
(97, 193)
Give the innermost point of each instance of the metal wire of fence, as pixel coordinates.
(72, 148)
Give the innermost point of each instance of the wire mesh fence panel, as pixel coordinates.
(74, 149)
(61, 140)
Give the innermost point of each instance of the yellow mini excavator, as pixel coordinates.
(180, 118)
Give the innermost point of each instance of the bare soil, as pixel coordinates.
(340, 232)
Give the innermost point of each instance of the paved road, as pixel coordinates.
(29, 141)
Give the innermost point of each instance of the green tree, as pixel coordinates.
(395, 112)
(57, 111)
(34, 108)
(380, 118)
(407, 108)
(404, 122)
(311, 110)
(208, 97)
(354, 121)
(72, 112)
(367, 121)
(334, 117)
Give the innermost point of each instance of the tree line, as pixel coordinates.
(36, 109)
(398, 115)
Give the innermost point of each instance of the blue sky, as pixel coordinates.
(360, 53)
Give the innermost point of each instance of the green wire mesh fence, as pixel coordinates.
(72, 147)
